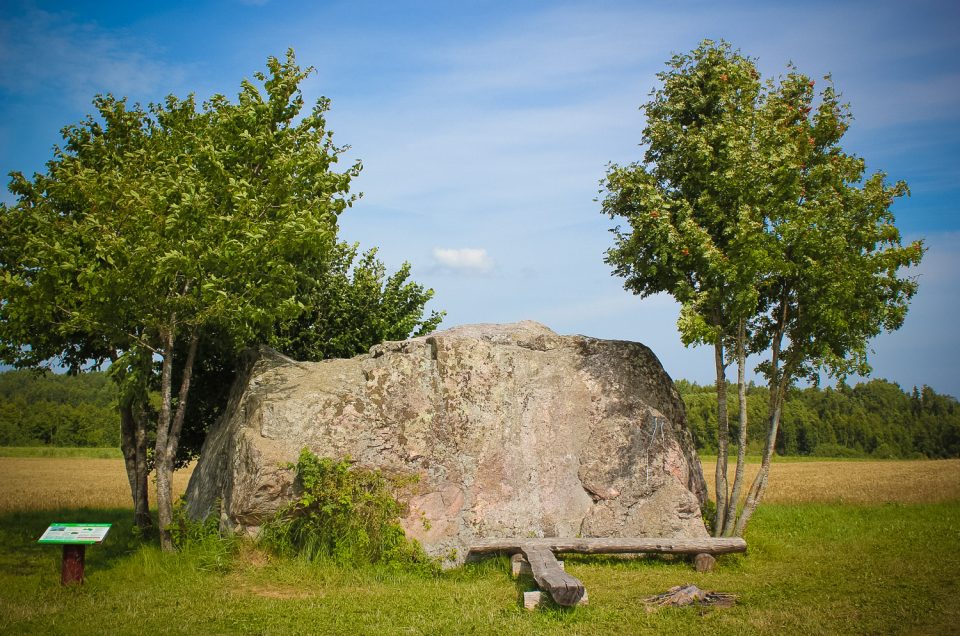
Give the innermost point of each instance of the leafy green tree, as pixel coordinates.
(834, 280)
(150, 227)
(694, 230)
(349, 306)
(352, 305)
(747, 211)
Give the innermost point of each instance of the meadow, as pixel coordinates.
(867, 547)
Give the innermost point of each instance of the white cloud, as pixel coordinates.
(463, 259)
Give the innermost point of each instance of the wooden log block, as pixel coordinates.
(704, 562)
(564, 589)
(616, 545)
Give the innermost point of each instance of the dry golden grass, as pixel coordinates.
(44, 483)
(38, 483)
(856, 482)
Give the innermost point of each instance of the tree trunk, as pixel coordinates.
(133, 443)
(775, 409)
(143, 470)
(173, 442)
(164, 468)
(759, 485)
(168, 431)
(731, 518)
(723, 435)
(163, 463)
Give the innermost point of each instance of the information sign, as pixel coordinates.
(75, 533)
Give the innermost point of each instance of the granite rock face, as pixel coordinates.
(513, 430)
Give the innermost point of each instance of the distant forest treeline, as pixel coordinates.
(58, 410)
(874, 418)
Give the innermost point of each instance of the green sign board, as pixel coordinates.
(75, 533)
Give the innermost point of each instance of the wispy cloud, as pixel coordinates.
(925, 350)
(494, 130)
(464, 259)
(47, 51)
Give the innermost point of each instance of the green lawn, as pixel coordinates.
(811, 568)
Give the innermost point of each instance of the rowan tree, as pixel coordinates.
(748, 212)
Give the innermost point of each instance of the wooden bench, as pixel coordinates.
(567, 590)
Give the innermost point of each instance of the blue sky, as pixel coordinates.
(485, 127)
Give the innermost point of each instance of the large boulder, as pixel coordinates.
(513, 430)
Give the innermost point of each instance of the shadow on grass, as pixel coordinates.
(648, 560)
(22, 555)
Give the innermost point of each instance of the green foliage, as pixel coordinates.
(349, 305)
(746, 208)
(692, 224)
(709, 513)
(352, 305)
(169, 219)
(344, 514)
(872, 419)
(45, 409)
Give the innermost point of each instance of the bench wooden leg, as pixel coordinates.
(704, 562)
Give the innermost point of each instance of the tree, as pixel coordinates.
(747, 211)
(150, 227)
(693, 231)
(352, 305)
(834, 280)
(349, 306)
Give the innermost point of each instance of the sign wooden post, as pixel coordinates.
(74, 537)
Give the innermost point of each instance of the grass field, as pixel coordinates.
(840, 547)
(853, 482)
(59, 451)
(38, 482)
(44, 483)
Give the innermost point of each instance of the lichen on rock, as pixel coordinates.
(512, 430)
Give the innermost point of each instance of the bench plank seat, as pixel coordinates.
(612, 545)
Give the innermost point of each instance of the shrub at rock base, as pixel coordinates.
(344, 514)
